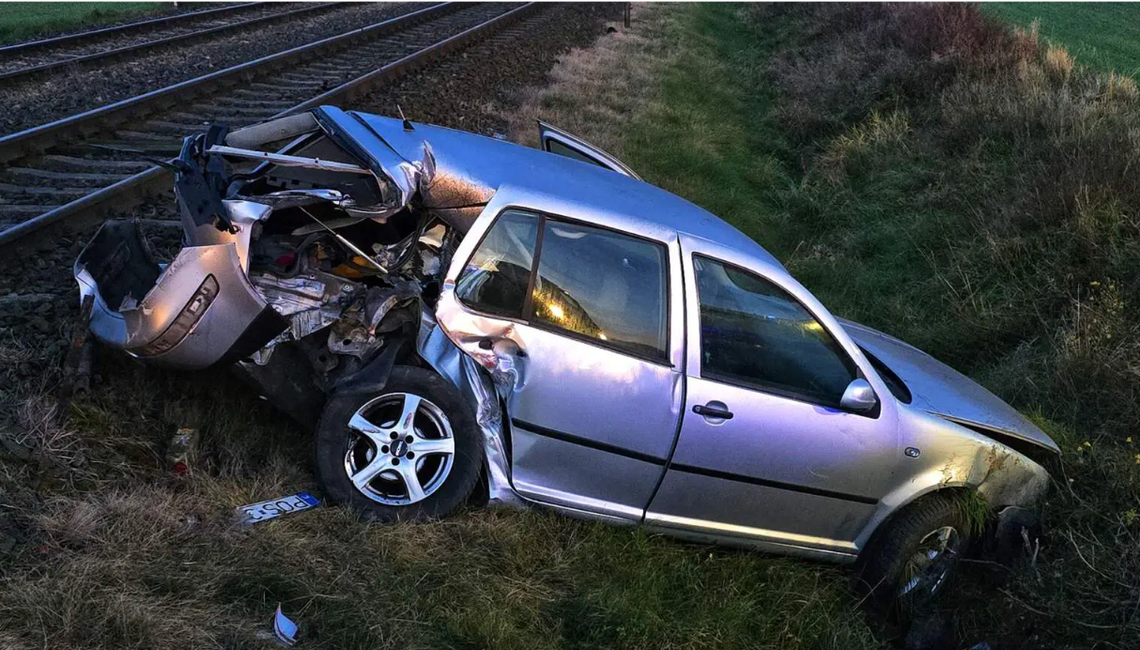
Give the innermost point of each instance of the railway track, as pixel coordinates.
(75, 169)
(33, 60)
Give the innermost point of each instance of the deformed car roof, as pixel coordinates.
(472, 167)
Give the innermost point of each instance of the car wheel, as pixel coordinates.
(911, 562)
(407, 452)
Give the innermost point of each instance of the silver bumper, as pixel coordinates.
(198, 311)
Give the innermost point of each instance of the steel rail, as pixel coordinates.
(38, 138)
(145, 46)
(31, 46)
(137, 188)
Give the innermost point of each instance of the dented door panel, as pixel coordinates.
(573, 404)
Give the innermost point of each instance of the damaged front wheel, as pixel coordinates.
(407, 451)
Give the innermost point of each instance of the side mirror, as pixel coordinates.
(859, 397)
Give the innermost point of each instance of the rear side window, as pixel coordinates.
(497, 277)
(756, 334)
(603, 286)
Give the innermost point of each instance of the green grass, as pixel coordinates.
(24, 20)
(1105, 35)
(128, 555)
(703, 140)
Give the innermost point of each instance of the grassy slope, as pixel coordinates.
(23, 20)
(1105, 35)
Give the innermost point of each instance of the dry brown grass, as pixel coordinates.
(598, 93)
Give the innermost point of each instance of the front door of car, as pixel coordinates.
(576, 322)
(766, 453)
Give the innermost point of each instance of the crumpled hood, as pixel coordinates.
(939, 389)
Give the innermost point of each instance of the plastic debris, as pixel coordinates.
(182, 451)
(284, 628)
(273, 508)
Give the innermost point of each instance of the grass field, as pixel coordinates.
(1105, 35)
(23, 20)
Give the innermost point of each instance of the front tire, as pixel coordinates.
(910, 564)
(409, 451)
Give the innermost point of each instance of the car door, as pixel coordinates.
(576, 321)
(765, 452)
(557, 141)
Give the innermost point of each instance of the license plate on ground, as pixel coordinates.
(274, 508)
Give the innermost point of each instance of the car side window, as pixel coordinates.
(756, 334)
(604, 286)
(496, 278)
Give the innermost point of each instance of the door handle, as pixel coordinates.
(710, 411)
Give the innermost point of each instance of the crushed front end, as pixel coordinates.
(308, 257)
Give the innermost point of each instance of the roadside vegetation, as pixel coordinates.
(921, 168)
(21, 21)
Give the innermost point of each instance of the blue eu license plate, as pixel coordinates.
(274, 508)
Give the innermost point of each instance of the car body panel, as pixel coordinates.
(139, 324)
(783, 457)
(480, 167)
(938, 388)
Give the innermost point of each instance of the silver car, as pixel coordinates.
(461, 317)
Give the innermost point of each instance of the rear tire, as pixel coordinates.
(409, 451)
(911, 562)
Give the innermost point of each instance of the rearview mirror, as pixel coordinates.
(859, 397)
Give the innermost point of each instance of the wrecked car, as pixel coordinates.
(453, 313)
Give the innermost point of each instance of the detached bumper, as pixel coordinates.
(198, 311)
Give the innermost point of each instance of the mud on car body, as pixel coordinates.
(444, 307)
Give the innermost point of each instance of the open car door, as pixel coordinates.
(557, 141)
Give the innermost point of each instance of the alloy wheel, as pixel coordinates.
(400, 449)
(927, 569)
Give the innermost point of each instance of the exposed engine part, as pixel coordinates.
(310, 302)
